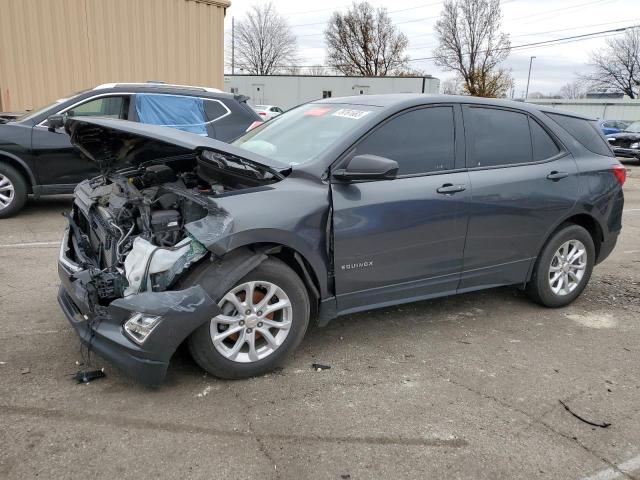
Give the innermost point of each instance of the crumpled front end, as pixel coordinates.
(138, 333)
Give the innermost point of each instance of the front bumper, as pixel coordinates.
(101, 327)
(626, 152)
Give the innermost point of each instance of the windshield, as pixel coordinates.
(32, 114)
(633, 128)
(302, 134)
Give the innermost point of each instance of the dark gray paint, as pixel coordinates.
(422, 243)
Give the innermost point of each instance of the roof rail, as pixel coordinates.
(105, 86)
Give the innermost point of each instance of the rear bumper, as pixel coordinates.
(101, 327)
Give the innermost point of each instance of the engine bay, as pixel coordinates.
(128, 227)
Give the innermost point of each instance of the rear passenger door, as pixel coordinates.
(403, 239)
(523, 182)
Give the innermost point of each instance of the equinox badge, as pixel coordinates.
(353, 266)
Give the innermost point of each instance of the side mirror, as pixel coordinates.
(368, 167)
(54, 122)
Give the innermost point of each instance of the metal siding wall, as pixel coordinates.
(53, 48)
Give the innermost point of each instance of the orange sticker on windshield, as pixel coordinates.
(317, 112)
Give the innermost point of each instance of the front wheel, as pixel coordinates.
(13, 191)
(262, 319)
(563, 268)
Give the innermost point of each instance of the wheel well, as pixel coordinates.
(20, 168)
(590, 225)
(301, 266)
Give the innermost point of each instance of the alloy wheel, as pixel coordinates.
(254, 322)
(7, 192)
(568, 267)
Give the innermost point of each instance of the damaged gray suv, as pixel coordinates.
(335, 207)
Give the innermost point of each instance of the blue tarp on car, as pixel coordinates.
(176, 111)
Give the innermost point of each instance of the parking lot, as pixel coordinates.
(462, 387)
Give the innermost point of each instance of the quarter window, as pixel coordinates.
(584, 132)
(496, 137)
(543, 145)
(420, 141)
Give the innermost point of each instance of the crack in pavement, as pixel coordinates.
(127, 422)
(534, 420)
(258, 438)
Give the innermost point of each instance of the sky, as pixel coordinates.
(526, 21)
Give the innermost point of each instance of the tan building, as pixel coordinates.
(49, 49)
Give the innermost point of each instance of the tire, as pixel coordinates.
(540, 288)
(217, 358)
(13, 191)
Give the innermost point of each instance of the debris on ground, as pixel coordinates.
(24, 371)
(205, 392)
(582, 419)
(85, 376)
(318, 367)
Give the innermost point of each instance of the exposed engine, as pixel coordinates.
(129, 227)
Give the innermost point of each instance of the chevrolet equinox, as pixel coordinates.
(335, 207)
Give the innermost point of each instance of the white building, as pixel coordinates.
(607, 109)
(287, 91)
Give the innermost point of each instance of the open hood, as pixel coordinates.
(117, 143)
(10, 116)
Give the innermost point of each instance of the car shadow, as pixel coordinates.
(47, 204)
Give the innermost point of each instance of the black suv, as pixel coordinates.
(334, 207)
(36, 156)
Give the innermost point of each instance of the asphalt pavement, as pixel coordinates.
(463, 387)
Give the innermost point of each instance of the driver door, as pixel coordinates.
(403, 239)
(59, 165)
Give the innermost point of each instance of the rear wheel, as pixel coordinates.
(13, 191)
(262, 319)
(563, 268)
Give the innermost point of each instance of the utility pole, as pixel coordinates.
(528, 79)
(233, 46)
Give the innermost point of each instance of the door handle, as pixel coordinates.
(450, 189)
(555, 176)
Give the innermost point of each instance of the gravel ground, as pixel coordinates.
(460, 387)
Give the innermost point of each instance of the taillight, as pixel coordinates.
(264, 114)
(620, 172)
(255, 124)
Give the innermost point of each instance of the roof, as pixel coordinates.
(157, 85)
(407, 100)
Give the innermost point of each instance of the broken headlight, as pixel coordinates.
(140, 326)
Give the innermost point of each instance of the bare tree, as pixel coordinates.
(364, 41)
(264, 43)
(573, 90)
(316, 70)
(470, 43)
(617, 66)
(452, 86)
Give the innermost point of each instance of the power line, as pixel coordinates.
(584, 4)
(432, 45)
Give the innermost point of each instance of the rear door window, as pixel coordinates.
(584, 131)
(421, 141)
(176, 111)
(496, 137)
